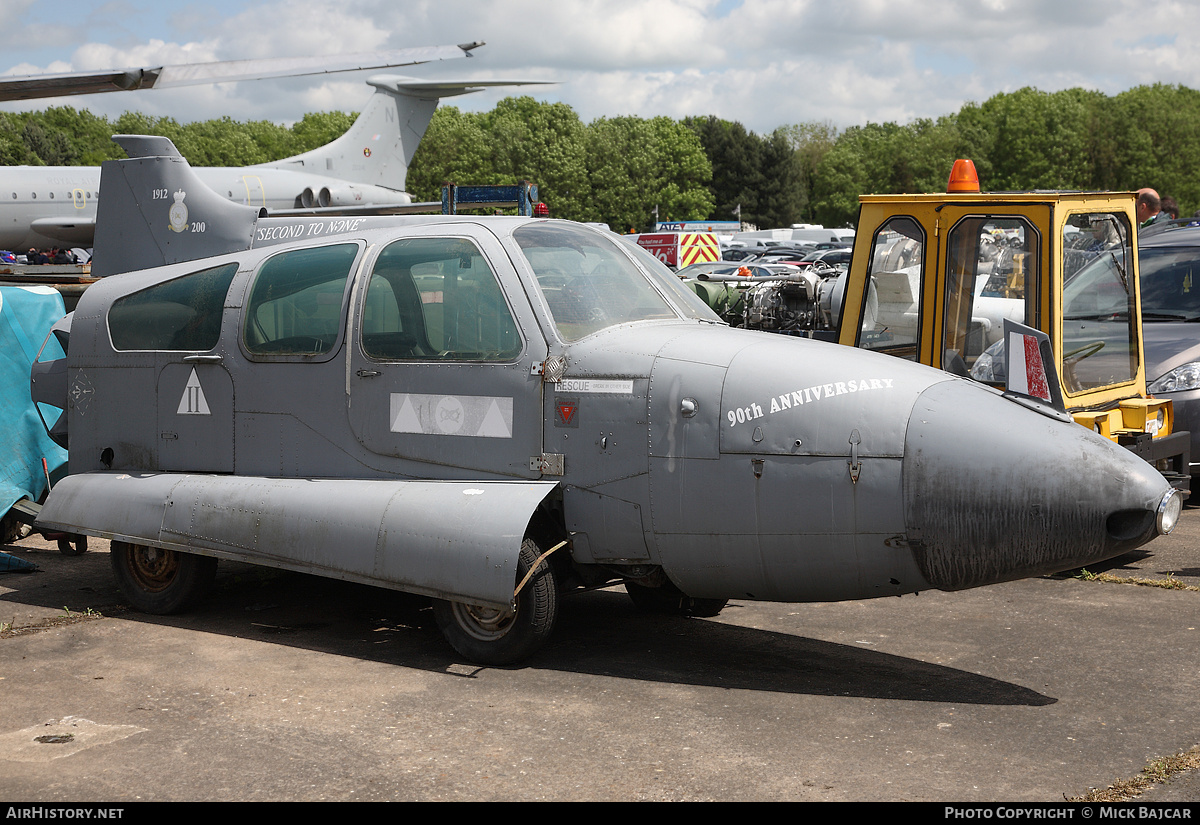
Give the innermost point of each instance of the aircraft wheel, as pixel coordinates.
(670, 600)
(492, 636)
(161, 581)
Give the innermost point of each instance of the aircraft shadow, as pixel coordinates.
(598, 633)
(608, 636)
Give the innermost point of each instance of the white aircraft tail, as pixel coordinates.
(378, 148)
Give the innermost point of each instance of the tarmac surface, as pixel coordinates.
(288, 687)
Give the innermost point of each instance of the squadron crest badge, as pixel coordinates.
(179, 212)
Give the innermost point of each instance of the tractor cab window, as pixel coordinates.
(991, 271)
(295, 305)
(180, 314)
(588, 282)
(1099, 320)
(436, 299)
(891, 319)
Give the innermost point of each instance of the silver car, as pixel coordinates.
(1169, 261)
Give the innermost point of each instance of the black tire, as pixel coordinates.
(160, 581)
(671, 601)
(489, 636)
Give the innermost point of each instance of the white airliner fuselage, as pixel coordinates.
(45, 206)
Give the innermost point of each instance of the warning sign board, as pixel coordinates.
(680, 249)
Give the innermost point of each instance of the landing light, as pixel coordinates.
(963, 177)
(1168, 512)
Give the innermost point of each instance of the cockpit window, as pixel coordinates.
(587, 281)
(436, 299)
(180, 314)
(295, 305)
(690, 304)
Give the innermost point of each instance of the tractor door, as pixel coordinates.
(1100, 351)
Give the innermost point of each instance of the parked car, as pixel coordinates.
(791, 252)
(738, 254)
(831, 257)
(1169, 262)
(739, 250)
(717, 269)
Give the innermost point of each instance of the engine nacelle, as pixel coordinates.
(352, 194)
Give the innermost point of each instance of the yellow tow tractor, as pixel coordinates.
(934, 277)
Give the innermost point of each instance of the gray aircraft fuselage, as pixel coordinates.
(744, 465)
(429, 402)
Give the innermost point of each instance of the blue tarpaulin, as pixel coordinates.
(14, 564)
(26, 315)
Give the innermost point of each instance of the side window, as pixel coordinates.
(991, 267)
(436, 299)
(1091, 235)
(295, 305)
(892, 310)
(181, 314)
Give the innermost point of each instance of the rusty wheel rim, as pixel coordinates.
(153, 568)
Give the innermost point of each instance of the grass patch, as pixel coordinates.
(10, 629)
(1168, 584)
(1157, 772)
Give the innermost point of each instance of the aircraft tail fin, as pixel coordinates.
(378, 148)
(157, 211)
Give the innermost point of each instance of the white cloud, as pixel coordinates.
(765, 63)
(101, 56)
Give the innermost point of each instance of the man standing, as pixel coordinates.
(1149, 208)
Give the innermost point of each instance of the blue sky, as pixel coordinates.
(765, 63)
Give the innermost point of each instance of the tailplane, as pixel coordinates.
(378, 148)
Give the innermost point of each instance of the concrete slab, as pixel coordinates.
(286, 687)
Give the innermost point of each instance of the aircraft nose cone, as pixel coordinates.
(994, 491)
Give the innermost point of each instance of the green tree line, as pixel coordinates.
(625, 170)
(1074, 139)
